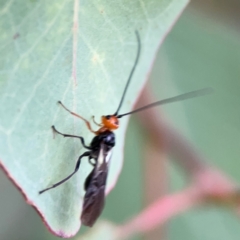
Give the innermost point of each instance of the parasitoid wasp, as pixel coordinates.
(99, 151)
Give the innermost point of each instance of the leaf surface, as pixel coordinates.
(79, 52)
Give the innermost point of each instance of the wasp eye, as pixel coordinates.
(108, 117)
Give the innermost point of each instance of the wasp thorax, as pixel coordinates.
(110, 122)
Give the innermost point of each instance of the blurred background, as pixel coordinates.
(202, 50)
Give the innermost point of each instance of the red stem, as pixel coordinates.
(161, 211)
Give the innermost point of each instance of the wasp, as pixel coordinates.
(100, 149)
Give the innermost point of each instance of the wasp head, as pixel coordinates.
(111, 122)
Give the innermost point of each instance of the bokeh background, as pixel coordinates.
(202, 50)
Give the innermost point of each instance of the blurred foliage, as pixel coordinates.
(199, 52)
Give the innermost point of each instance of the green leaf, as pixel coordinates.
(79, 52)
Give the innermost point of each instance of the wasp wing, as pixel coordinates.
(95, 184)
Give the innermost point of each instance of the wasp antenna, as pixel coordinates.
(178, 98)
(131, 73)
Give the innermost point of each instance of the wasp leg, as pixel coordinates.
(73, 136)
(76, 115)
(91, 162)
(65, 179)
(98, 124)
